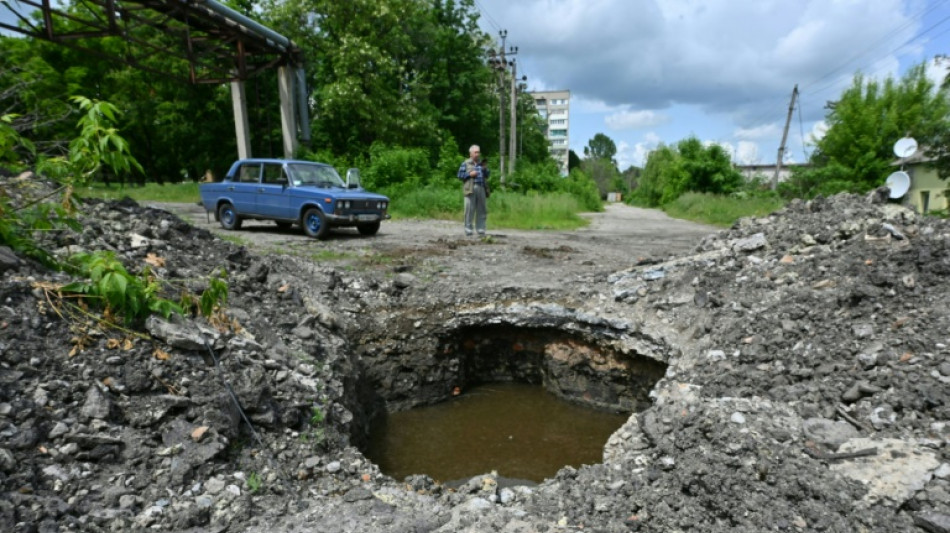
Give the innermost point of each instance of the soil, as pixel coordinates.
(790, 373)
(617, 238)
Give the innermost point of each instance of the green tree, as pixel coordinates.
(863, 124)
(602, 172)
(688, 167)
(600, 147)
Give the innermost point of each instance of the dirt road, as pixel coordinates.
(617, 238)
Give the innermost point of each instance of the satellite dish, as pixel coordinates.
(905, 147)
(899, 183)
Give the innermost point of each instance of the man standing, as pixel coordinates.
(474, 176)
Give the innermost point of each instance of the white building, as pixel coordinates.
(555, 108)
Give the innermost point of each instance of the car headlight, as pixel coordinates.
(344, 204)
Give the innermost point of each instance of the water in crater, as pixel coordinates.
(518, 430)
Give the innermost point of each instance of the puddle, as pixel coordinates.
(518, 430)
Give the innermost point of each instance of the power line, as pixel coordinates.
(801, 129)
(881, 40)
(487, 16)
(905, 44)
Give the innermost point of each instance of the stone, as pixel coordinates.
(97, 404)
(932, 522)
(404, 280)
(829, 432)
(58, 430)
(8, 259)
(893, 475)
(7, 461)
(751, 243)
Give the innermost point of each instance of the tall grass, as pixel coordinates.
(150, 192)
(720, 210)
(427, 202)
(551, 211)
(505, 209)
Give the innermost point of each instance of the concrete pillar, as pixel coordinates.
(288, 121)
(241, 127)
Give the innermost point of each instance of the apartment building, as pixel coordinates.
(554, 107)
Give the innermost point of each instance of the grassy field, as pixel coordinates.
(557, 211)
(718, 210)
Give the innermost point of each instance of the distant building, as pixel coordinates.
(927, 191)
(555, 108)
(767, 171)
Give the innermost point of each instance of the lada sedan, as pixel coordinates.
(311, 195)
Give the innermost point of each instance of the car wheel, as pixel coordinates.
(228, 217)
(284, 225)
(368, 229)
(314, 223)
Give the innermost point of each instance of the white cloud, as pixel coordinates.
(721, 55)
(764, 131)
(818, 132)
(636, 155)
(747, 153)
(937, 70)
(629, 120)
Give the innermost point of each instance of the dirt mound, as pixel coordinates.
(807, 383)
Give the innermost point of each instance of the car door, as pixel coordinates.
(243, 188)
(273, 198)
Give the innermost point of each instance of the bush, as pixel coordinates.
(427, 202)
(583, 189)
(395, 166)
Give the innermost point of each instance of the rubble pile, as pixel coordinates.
(807, 388)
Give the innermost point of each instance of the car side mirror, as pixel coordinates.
(353, 178)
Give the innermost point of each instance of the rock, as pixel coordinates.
(932, 522)
(7, 461)
(893, 475)
(183, 335)
(751, 243)
(8, 260)
(97, 404)
(829, 432)
(404, 280)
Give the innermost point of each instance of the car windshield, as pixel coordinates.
(319, 175)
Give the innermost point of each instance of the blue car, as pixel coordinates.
(294, 192)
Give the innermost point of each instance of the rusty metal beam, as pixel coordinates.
(211, 47)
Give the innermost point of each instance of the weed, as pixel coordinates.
(330, 255)
(720, 210)
(254, 482)
(234, 239)
(318, 430)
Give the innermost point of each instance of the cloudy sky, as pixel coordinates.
(650, 71)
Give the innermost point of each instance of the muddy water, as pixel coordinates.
(518, 430)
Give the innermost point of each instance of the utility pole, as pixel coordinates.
(500, 63)
(513, 121)
(781, 147)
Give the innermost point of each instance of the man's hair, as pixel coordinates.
(474, 147)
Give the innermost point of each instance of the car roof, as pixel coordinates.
(280, 161)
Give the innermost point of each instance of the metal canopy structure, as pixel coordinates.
(211, 42)
(206, 41)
